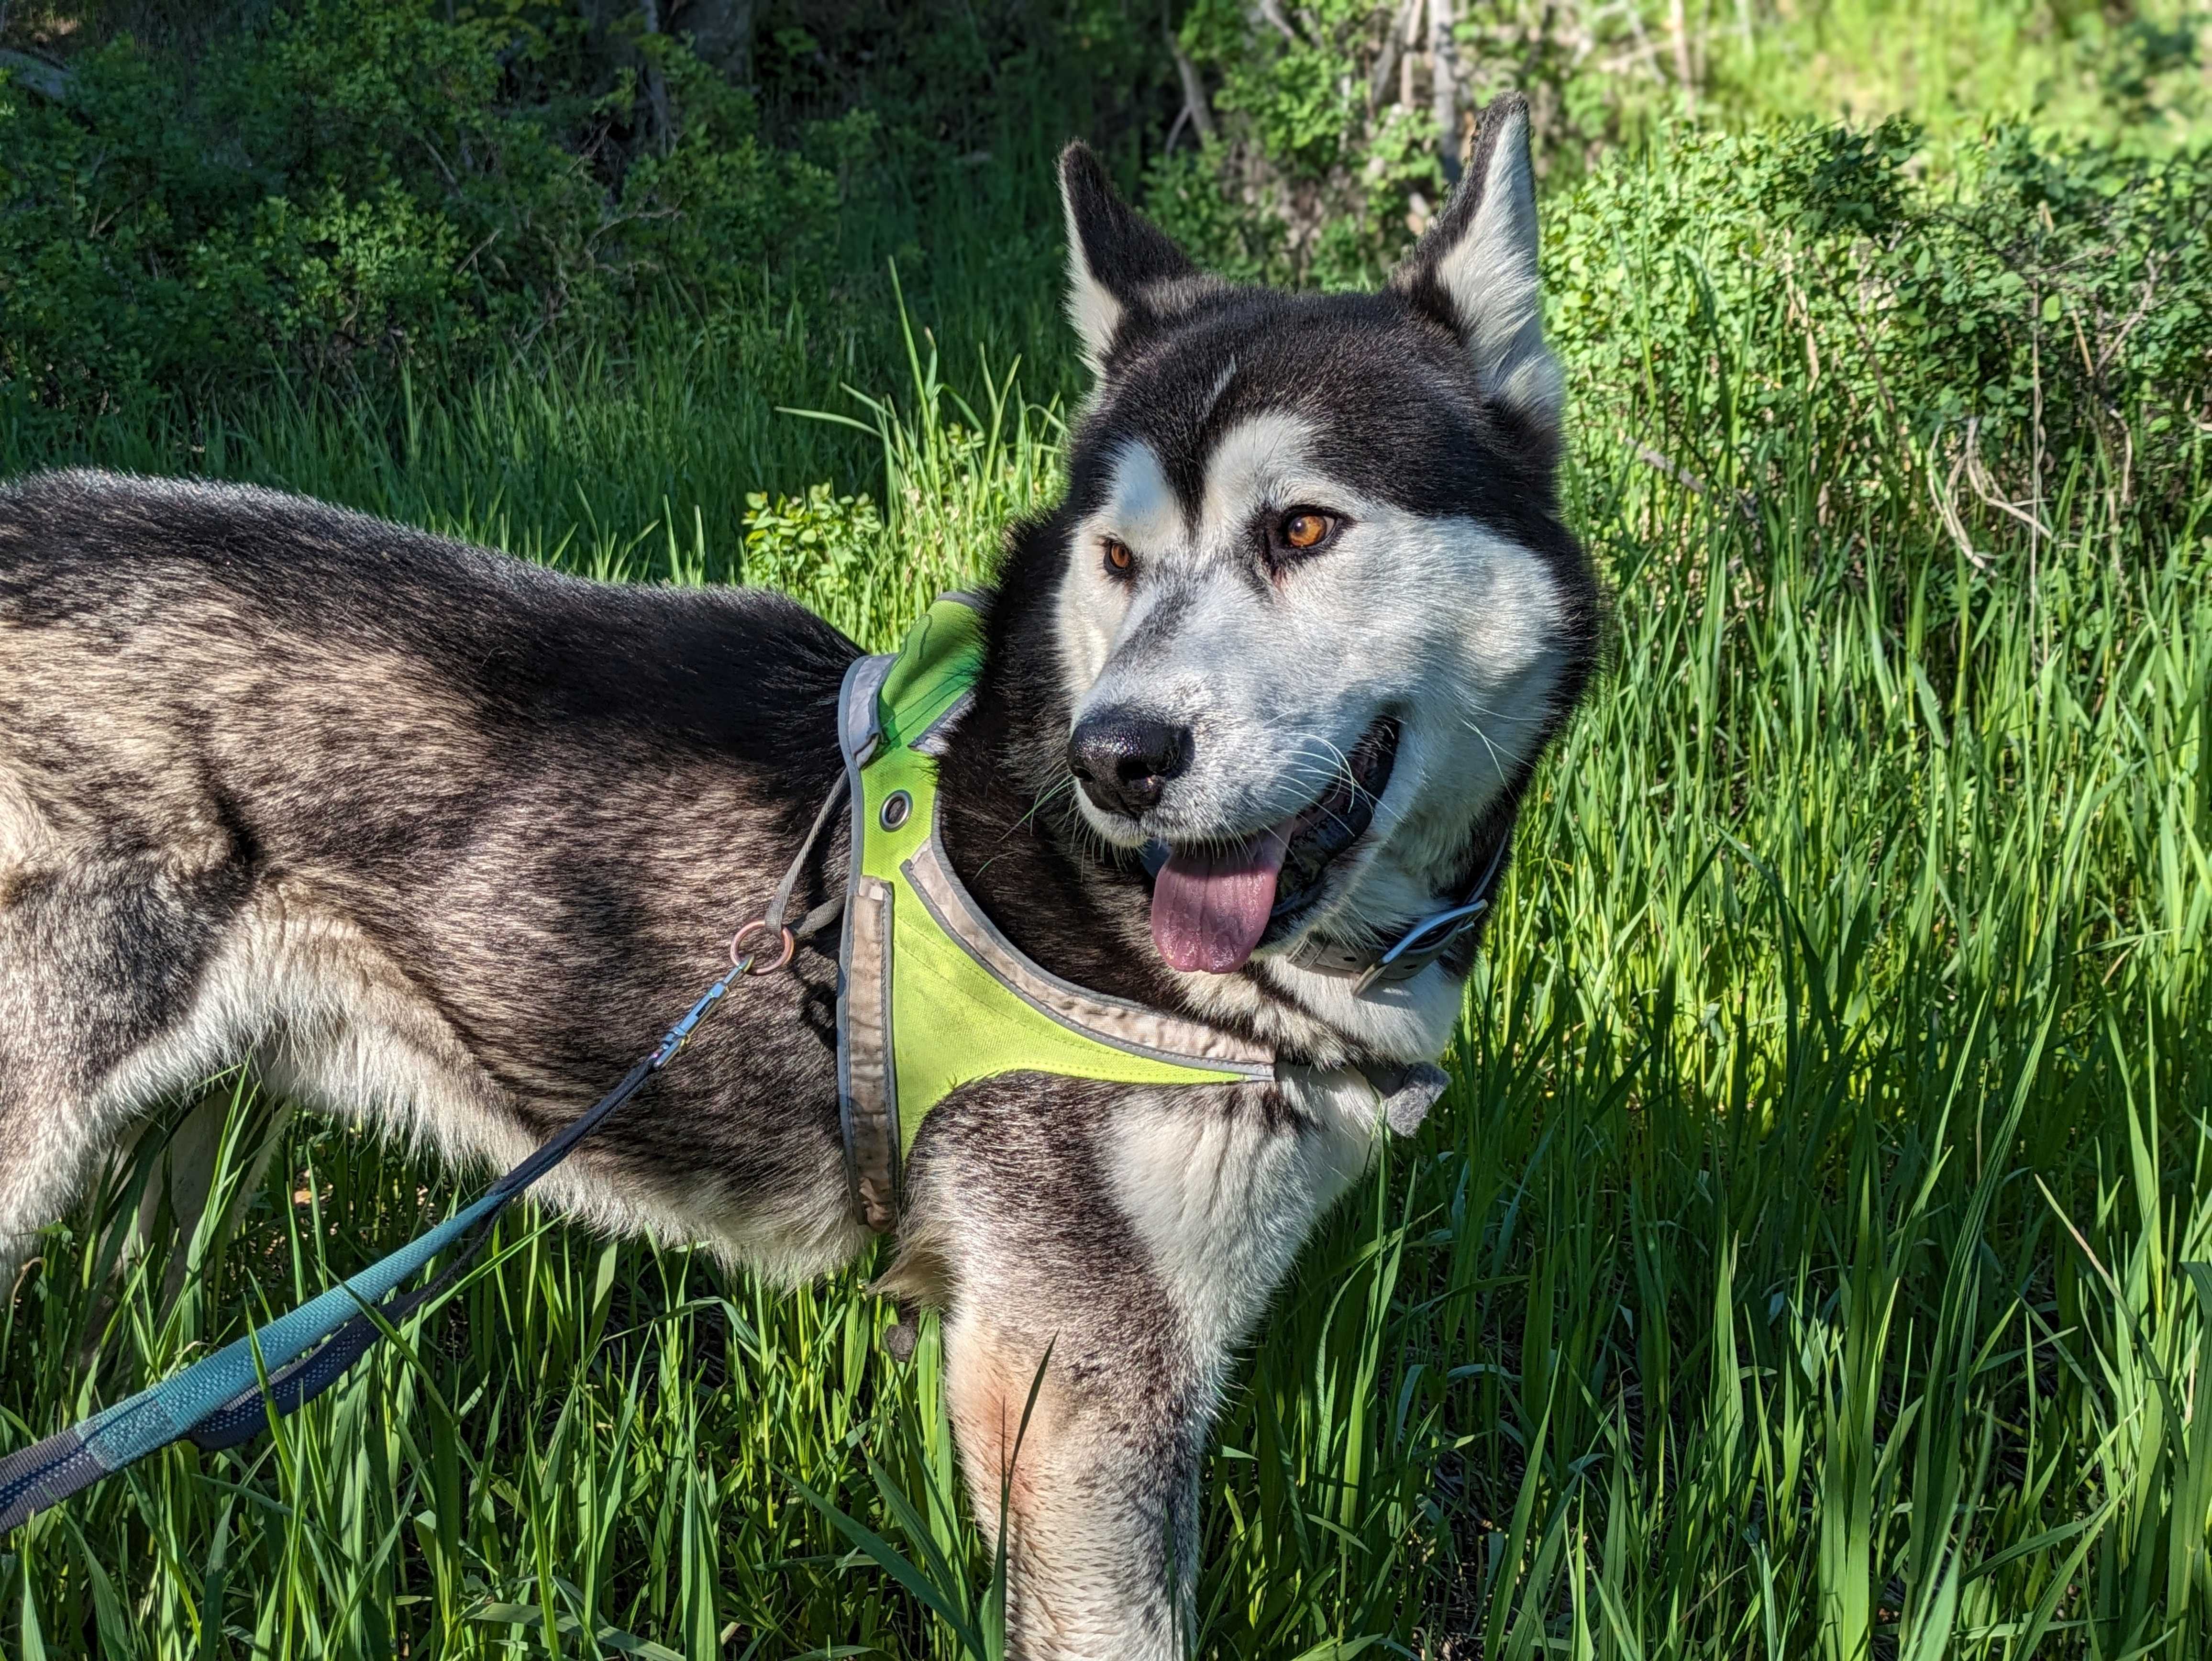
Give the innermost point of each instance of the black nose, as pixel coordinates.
(1124, 759)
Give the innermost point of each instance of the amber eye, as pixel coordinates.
(1118, 557)
(1304, 528)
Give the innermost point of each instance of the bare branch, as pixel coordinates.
(1195, 101)
(1271, 11)
(1393, 43)
(1946, 498)
(1985, 486)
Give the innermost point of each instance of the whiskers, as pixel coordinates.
(1473, 724)
(1060, 786)
(1324, 771)
(1311, 763)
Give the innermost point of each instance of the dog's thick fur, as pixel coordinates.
(441, 842)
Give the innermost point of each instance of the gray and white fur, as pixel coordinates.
(439, 841)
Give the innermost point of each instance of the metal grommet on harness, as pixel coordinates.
(896, 807)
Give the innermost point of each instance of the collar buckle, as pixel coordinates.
(1421, 945)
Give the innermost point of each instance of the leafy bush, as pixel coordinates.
(818, 545)
(1325, 129)
(1309, 177)
(1733, 298)
(358, 180)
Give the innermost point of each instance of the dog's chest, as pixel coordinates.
(1221, 1196)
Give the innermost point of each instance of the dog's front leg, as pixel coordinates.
(1105, 1250)
(1097, 1490)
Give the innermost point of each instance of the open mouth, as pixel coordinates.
(1213, 905)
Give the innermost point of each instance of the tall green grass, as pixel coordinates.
(581, 458)
(1809, 1259)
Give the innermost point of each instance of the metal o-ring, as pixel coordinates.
(896, 807)
(740, 960)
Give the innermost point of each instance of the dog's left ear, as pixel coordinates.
(1124, 275)
(1474, 270)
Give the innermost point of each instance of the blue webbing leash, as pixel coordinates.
(220, 1402)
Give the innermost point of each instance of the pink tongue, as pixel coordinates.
(1210, 909)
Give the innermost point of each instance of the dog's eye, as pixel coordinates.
(1119, 560)
(1306, 528)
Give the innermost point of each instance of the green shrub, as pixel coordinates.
(819, 545)
(1322, 150)
(358, 181)
(1734, 298)
(1310, 180)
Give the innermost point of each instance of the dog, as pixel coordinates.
(439, 841)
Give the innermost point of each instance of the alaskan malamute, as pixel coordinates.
(440, 840)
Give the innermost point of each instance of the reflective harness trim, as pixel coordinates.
(933, 996)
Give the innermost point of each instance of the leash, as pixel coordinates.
(233, 1395)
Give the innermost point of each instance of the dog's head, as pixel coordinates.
(1315, 613)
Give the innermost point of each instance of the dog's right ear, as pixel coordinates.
(1123, 273)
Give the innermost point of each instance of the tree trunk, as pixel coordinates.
(721, 32)
(1195, 104)
(1443, 65)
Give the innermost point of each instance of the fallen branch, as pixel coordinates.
(1986, 487)
(1946, 498)
(49, 81)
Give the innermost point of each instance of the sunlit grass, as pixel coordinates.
(1809, 1259)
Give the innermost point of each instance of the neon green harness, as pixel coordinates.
(933, 996)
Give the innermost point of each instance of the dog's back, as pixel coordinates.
(269, 637)
(274, 780)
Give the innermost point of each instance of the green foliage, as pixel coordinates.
(1185, 195)
(1308, 184)
(1746, 304)
(1840, 181)
(359, 185)
(2076, 281)
(2132, 72)
(714, 213)
(1328, 158)
(814, 544)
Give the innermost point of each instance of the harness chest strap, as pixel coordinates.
(933, 996)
